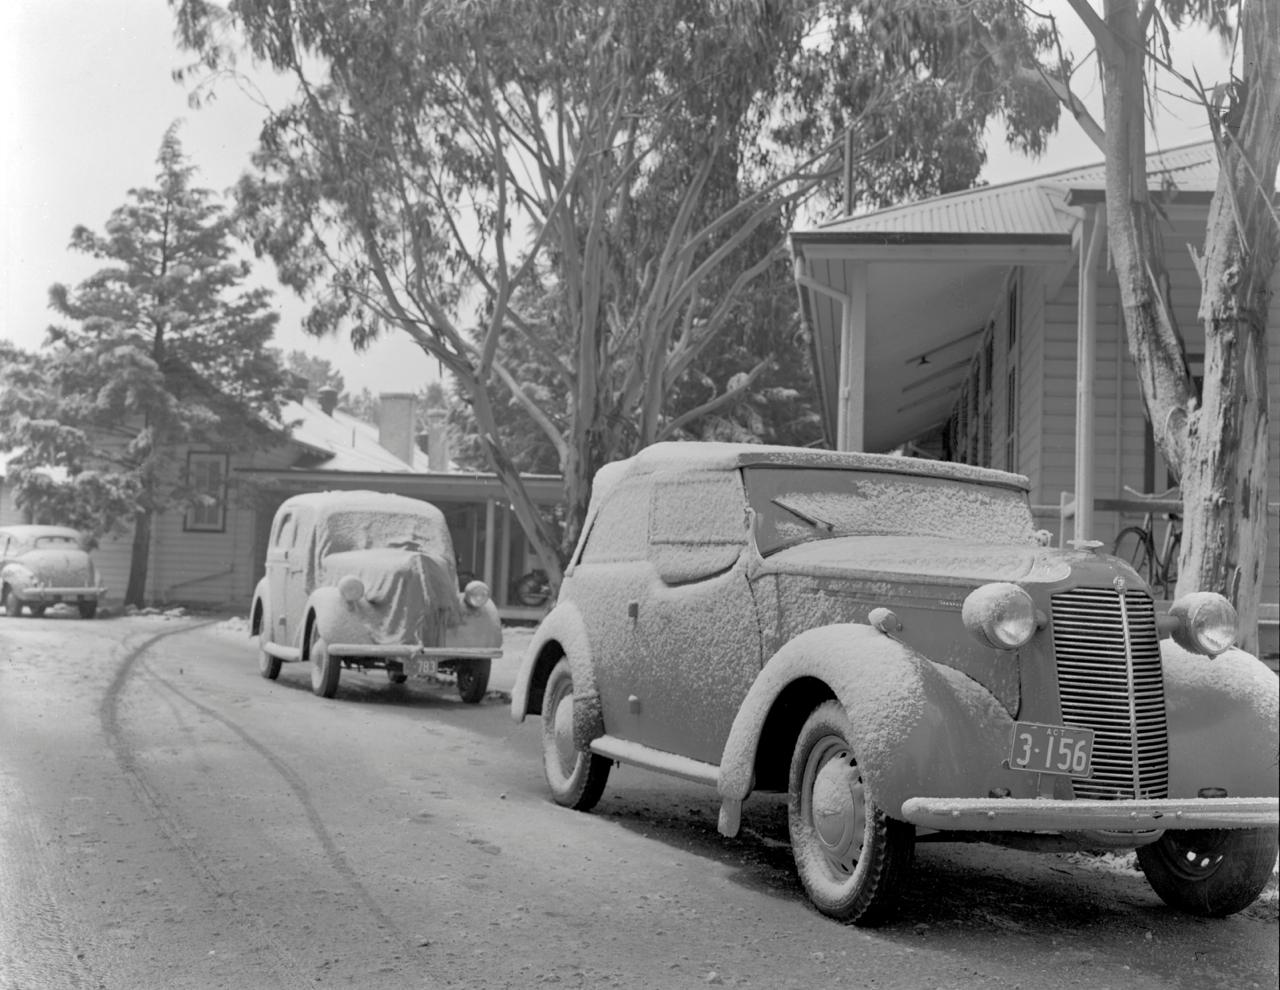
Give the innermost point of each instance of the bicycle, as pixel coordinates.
(1137, 544)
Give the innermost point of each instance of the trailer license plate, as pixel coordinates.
(425, 668)
(1058, 749)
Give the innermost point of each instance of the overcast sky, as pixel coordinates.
(85, 96)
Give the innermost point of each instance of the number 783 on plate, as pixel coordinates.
(1060, 749)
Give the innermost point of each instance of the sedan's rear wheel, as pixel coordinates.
(12, 603)
(37, 610)
(576, 778)
(325, 667)
(1210, 872)
(88, 609)
(473, 680)
(852, 859)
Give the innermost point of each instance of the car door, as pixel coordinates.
(281, 559)
(695, 647)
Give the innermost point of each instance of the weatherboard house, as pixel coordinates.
(214, 555)
(984, 326)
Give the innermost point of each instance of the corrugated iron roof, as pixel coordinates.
(1028, 209)
(344, 442)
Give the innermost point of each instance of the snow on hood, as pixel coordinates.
(921, 557)
(405, 587)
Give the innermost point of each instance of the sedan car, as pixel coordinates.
(44, 565)
(367, 580)
(892, 644)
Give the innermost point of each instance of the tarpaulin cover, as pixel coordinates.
(405, 563)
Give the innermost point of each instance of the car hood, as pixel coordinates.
(405, 586)
(57, 567)
(920, 558)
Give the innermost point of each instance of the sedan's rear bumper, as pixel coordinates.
(50, 594)
(1048, 815)
(411, 651)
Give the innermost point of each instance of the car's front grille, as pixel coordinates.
(1109, 680)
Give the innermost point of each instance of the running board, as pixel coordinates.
(635, 754)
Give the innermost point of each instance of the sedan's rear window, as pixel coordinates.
(795, 505)
(366, 530)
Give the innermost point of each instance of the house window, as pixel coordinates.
(1012, 315)
(207, 478)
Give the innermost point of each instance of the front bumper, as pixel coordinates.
(1049, 815)
(51, 595)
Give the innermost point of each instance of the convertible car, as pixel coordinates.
(892, 644)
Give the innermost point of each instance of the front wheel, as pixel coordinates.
(1211, 872)
(12, 603)
(852, 859)
(324, 666)
(576, 778)
(268, 666)
(473, 680)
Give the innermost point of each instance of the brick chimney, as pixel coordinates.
(437, 440)
(395, 424)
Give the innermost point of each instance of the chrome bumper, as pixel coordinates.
(410, 651)
(46, 594)
(1048, 815)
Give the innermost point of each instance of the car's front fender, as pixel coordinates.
(259, 621)
(562, 633)
(338, 620)
(478, 627)
(1224, 722)
(918, 727)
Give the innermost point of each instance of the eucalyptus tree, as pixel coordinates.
(160, 347)
(635, 163)
(1215, 436)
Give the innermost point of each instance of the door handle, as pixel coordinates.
(633, 610)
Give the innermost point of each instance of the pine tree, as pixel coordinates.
(162, 346)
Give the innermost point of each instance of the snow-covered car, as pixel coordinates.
(891, 643)
(368, 580)
(45, 565)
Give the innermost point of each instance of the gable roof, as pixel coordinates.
(1027, 211)
(342, 442)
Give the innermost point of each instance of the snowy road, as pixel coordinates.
(168, 819)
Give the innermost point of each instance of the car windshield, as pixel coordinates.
(795, 505)
(365, 530)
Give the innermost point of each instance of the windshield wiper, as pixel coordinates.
(817, 522)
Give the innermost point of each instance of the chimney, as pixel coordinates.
(395, 424)
(328, 400)
(437, 440)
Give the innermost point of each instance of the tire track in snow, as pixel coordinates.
(110, 716)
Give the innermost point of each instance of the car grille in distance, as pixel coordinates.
(1110, 680)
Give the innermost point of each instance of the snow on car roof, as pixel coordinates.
(699, 456)
(31, 531)
(324, 503)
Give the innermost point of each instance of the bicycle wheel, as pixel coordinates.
(1133, 546)
(1169, 566)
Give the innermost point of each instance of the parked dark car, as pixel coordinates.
(891, 643)
(368, 580)
(45, 565)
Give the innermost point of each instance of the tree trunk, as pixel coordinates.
(1225, 528)
(136, 591)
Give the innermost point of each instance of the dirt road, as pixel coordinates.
(169, 819)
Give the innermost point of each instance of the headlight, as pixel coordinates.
(1206, 622)
(475, 594)
(1001, 616)
(351, 588)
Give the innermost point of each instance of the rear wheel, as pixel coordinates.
(852, 859)
(576, 778)
(1133, 546)
(325, 667)
(37, 610)
(87, 609)
(396, 674)
(12, 603)
(1210, 872)
(473, 680)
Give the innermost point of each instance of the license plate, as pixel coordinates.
(426, 668)
(1057, 749)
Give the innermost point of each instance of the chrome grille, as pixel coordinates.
(1109, 680)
